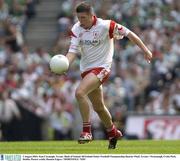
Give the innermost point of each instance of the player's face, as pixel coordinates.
(85, 19)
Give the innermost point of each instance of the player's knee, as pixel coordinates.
(79, 94)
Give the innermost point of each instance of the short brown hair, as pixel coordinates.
(84, 7)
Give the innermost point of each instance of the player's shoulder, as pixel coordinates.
(76, 27)
(103, 22)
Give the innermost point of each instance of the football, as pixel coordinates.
(59, 64)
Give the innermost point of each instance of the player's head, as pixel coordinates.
(85, 14)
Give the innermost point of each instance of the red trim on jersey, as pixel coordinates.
(72, 34)
(120, 28)
(94, 20)
(111, 29)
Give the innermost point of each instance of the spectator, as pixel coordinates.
(132, 84)
(10, 116)
(60, 120)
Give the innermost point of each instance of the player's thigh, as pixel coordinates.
(96, 98)
(89, 83)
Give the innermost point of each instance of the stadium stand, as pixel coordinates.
(38, 105)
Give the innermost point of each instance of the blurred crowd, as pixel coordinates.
(41, 105)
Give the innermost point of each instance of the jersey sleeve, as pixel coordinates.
(74, 44)
(120, 31)
(117, 31)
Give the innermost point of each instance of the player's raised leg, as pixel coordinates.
(96, 97)
(88, 84)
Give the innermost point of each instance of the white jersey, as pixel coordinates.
(96, 44)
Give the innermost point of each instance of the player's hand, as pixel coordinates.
(148, 56)
(57, 74)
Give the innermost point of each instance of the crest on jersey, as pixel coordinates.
(95, 34)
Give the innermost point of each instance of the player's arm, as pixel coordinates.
(74, 46)
(121, 31)
(71, 57)
(135, 39)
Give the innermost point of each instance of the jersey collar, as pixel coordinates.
(94, 20)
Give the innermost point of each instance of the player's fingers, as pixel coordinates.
(149, 61)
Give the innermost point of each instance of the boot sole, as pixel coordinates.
(112, 143)
(84, 141)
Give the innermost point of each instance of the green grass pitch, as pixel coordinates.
(95, 147)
